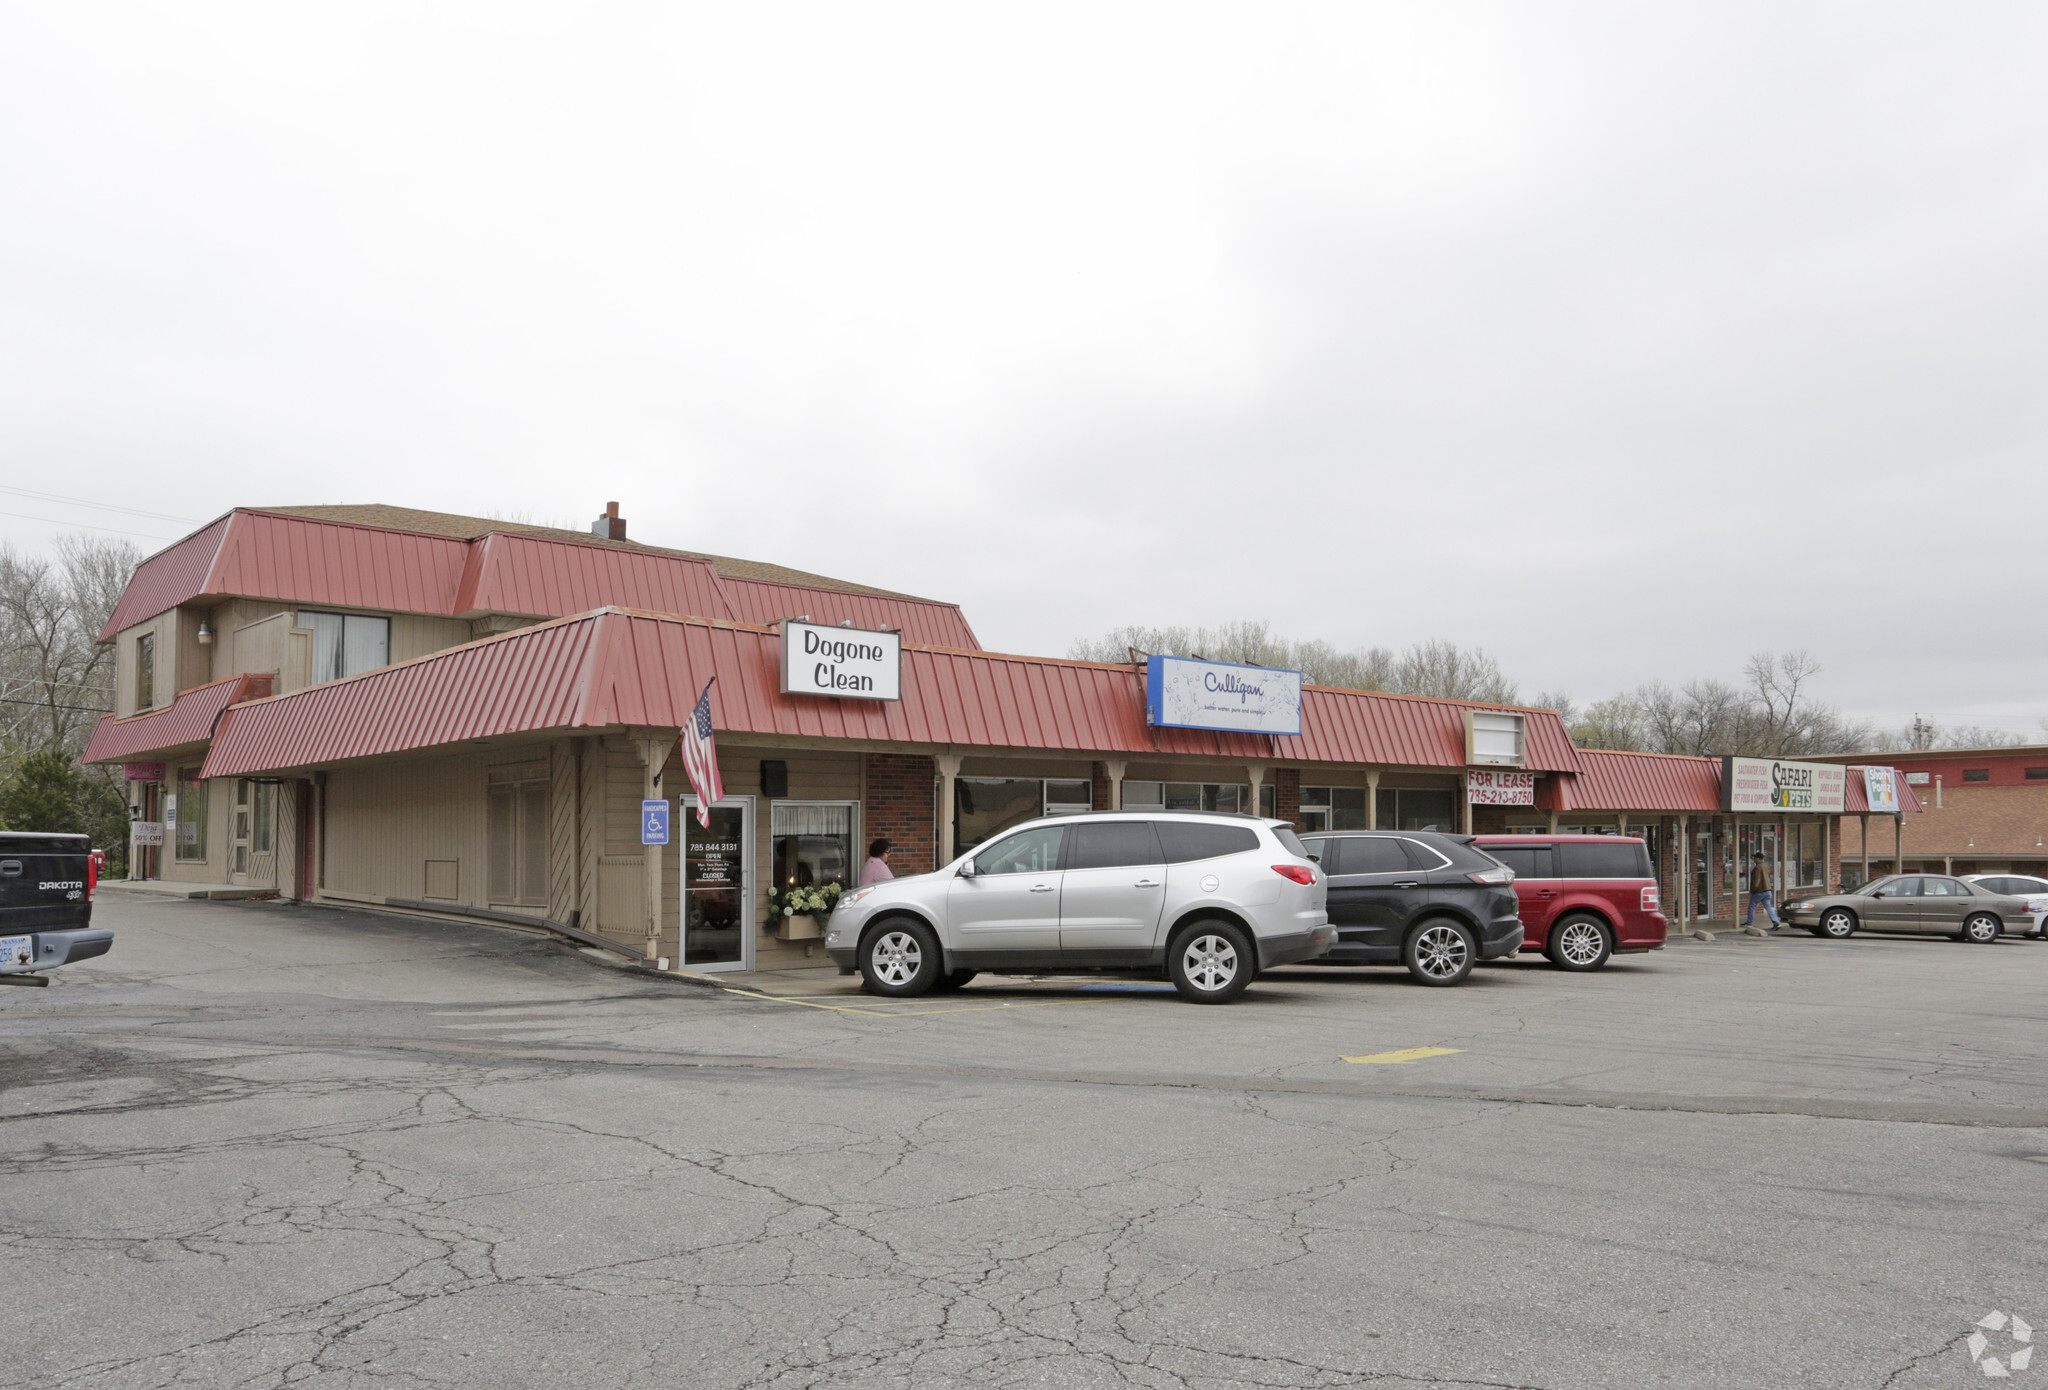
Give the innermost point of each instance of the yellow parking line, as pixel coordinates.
(1407, 1054)
(873, 1012)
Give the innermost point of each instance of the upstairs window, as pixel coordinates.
(145, 671)
(346, 644)
(1976, 774)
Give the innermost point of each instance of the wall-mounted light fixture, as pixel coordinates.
(205, 633)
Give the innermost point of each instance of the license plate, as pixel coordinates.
(17, 952)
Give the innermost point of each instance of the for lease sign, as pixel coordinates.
(1183, 693)
(849, 662)
(1490, 786)
(1776, 784)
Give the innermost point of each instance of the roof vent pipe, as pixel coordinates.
(611, 526)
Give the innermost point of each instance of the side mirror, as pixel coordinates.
(966, 869)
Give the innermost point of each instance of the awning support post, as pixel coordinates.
(1372, 800)
(653, 754)
(949, 772)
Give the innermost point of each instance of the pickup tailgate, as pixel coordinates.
(46, 902)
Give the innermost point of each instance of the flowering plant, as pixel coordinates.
(816, 901)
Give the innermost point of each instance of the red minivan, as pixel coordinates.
(1583, 897)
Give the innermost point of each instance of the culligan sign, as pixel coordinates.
(1183, 693)
(846, 661)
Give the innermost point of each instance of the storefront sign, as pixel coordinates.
(145, 832)
(845, 661)
(1880, 788)
(143, 772)
(1182, 693)
(1773, 784)
(1486, 786)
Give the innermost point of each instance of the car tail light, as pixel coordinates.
(1501, 875)
(1650, 899)
(1300, 873)
(92, 873)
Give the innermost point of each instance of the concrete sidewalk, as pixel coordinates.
(165, 888)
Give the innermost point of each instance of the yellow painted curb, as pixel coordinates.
(1407, 1054)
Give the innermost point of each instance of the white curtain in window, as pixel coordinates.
(326, 644)
(811, 820)
(364, 643)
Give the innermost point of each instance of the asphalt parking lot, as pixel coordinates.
(269, 1145)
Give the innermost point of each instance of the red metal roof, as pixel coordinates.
(922, 621)
(188, 719)
(1857, 796)
(167, 578)
(619, 667)
(511, 573)
(296, 559)
(1668, 782)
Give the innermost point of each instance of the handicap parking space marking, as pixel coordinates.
(1406, 1054)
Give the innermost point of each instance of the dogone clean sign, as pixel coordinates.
(846, 661)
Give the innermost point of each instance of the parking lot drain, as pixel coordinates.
(1407, 1054)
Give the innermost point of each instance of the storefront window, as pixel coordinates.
(1187, 796)
(1065, 798)
(1333, 808)
(1409, 808)
(192, 801)
(986, 806)
(811, 844)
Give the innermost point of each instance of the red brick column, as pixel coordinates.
(900, 799)
(1099, 780)
(1287, 795)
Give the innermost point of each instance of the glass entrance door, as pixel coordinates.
(717, 878)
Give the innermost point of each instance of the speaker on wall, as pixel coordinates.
(774, 777)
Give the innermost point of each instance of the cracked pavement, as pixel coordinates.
(268, 1145)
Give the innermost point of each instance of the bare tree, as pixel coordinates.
(55, 677)
(1774, 716)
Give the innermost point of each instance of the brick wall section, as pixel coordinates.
(1287, 794)
(1099, 778)
(900, 798)
(1489, 820)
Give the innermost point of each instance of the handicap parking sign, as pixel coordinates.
(654, 822)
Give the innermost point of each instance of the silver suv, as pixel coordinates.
(1211, 899)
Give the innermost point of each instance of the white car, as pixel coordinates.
(2034, 890)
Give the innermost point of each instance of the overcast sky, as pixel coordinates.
(1620, 340)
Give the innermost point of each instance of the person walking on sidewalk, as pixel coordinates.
(876, 870)
(1760, 894)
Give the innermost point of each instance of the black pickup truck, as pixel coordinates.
(46, 888)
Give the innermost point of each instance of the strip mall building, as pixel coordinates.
(442, 714)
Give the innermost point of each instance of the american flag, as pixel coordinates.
(700, 757)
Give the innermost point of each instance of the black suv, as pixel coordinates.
(1433, 902)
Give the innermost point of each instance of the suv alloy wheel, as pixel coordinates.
(1210, 962)
(1439, 952)
(1579, 942)
(900, 958)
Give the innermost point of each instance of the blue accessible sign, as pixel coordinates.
(654, 822)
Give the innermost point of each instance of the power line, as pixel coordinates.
(38, 704)
(87, 526)
(102, 506)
